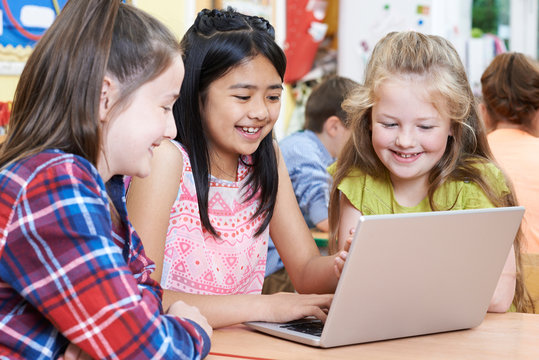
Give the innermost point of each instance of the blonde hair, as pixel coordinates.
(411, 56)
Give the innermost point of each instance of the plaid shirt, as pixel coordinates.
(66, 276)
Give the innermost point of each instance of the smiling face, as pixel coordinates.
(130, 136)
(240, 109)
(408, 134)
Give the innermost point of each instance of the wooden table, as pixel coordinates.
(500, 336)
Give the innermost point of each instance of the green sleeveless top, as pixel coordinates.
(375, 196)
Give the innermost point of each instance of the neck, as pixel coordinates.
(328, 143)
(509, 125)
(103, 168)
(409, 193)
(225, 169)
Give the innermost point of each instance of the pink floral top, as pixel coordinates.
(198, 262)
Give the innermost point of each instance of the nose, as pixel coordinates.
(258, 110)
(405, 138)
(170, 127)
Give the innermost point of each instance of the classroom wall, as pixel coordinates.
(171, 12)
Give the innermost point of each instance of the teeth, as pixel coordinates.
(406, 156)
(250, 130)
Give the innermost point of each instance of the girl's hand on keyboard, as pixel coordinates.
(283, 307)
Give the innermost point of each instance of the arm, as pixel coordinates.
(505, 289)
(309, 272)
(149, 201)
(349, 217)
(76, 276)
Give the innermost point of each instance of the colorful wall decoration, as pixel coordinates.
(22, 24)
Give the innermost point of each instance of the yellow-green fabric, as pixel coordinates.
(375, 196)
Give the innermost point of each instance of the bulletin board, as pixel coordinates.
(22, 24)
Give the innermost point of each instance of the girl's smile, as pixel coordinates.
(406, 157)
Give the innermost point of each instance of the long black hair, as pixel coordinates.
(217, 42)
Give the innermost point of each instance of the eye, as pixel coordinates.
(274, 98)
(166, 109)
(242, 98)
(426, 127)
(388, 124)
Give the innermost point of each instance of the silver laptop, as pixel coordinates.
(412, 274)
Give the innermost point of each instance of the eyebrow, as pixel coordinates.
(419, 118)
(249, 86)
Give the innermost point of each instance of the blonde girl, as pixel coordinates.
(417, 145)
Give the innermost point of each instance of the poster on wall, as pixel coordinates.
(22, 24)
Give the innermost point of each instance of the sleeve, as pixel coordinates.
(475, 197)
(353, 187)
(60, 256)
(311, 183)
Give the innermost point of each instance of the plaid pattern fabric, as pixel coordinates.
(67, 276)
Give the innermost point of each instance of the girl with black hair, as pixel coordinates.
(216, 193)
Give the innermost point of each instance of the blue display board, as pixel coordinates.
(24, 21)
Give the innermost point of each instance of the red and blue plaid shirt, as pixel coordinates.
(66, 276)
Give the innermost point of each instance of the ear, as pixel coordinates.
(332, 125)
(105, 100)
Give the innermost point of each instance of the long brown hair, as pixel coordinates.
(409, 55)
(510, 87)
(56, 103)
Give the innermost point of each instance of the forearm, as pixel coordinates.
(505, 289)
(225, 310)
(503, 295)
(318, 276)
(220, 310)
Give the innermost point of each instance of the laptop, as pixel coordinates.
(412, 274)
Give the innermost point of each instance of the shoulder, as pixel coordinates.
(170, 150)
(299, 142)
(53, 180)
(168, 160)
(163, 182)
(304, 148)
(366, 193)
(468, 194)
(52, 167)
(492, 173)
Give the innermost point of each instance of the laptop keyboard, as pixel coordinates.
(312, 327)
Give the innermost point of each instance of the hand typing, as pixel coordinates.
(283, 307)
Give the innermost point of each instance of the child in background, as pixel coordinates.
(307, 155)
(205, 212)
(510, 108)
(417, 145)
(510, 87)
(93, 100)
